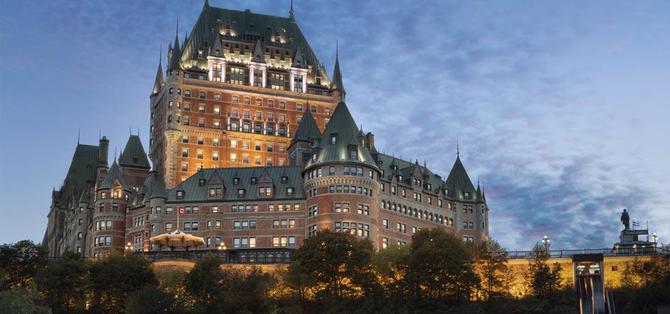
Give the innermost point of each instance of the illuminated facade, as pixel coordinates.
(253, 147)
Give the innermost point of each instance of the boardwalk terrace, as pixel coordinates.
(252, 146)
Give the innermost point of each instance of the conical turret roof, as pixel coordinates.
(176, 55)
(336, 82)
(458, 180)
(158, 81)
(114, 175)
(307, 129)
(339, 138)
(258, 55)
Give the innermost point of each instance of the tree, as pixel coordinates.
(204, 284)
(332, 265)
(21, 300)
(19, 263)
(150, 299)
(491, 266)
(115, 277)
(391, 268)
(64, 283)
(439, 268)
(544, 281)
(647, 283)
(218, 290)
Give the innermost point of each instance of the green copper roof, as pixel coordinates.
(408, 169)
(153, 187)
(82, 172)
(247, 27)
(196, 187)
(307, 129)
(340, 137)
(133, 154)
(113, 175)
(458, 180)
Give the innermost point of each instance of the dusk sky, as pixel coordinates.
(561, 108)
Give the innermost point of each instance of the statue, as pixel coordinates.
(625, 219)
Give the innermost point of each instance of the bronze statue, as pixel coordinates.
(625, 219)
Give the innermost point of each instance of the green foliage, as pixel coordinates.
(115, 277)
(64, 283)
(439, 268)
(216, 290)
(150, 299)
(543, 280)
(19, 262)
(646, 284)
(331, 265)
(491, 266)
(20, 300)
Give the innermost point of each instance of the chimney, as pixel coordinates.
(102, 151)
(369, 140)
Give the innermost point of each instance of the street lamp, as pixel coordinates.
(655, 237)
(545, 240)
(129, 247)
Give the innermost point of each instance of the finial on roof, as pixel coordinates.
(206, 5)
(336, 83)
(78, 135)
(458, 151)
(291, 12)
(114, 153)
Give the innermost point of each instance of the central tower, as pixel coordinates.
(233, 93)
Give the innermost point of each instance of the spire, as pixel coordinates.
(459, 181)
(336, 83)
(176, 52)
(458, 152)
(258, 55)
(158, 82)
(291, 13)
(206, 4)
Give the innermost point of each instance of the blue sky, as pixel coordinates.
(561, 108)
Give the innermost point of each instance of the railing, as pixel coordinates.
(233, 256)
(605, 252)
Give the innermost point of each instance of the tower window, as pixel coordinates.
(333, 139)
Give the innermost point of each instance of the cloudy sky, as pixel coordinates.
(561, 108)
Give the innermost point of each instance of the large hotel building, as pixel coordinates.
(252, 147)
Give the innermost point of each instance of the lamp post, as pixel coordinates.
(129, 247)
(546, 242)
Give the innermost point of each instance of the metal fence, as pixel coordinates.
(604, 252)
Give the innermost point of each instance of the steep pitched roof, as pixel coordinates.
(243, 23)
(458, 180)
(194, 190)
(81, 173)
(176, 55)
(158, 81)
(336, 83)
(307, 129)
(406, 168)
(85, 196)
(133, 154)
(113, 175)
(341, 135)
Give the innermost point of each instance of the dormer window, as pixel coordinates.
(241, 193)
(399, 177)
(180, 194)
(284, 179)
(265, 191)
(353, 152)
(215, 192)
(236, 181)
(466, 194)
(254, 180)
(429, 186)
(289, 191)
(333, 139)
(201, 182)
